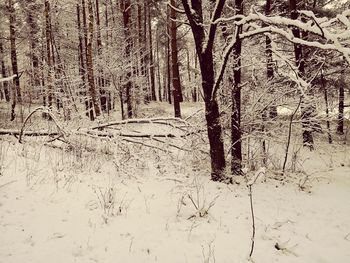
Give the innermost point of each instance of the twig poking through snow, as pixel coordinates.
(250, 183)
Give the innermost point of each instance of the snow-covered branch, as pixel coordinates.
(7, 78)
(330, 39)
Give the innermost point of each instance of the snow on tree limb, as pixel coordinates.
(280, 25)
(7, 78)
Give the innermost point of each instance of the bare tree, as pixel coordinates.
(204, 46)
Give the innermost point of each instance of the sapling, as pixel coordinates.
(250, 183)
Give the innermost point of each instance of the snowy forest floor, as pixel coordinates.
(119, 203)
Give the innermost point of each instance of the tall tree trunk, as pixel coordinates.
(236, 137)
(168, 60)
(106, 23)
(174, 61)
(125, 8)
(158, 68)
(17, 89)
(98, 27)
(306, 107)
(49, 52)
(194, 92)
(151, 60)
(269, 61)
(3, 72)
(147, 90)
(32, 20)
(82, 62)
(206, 61)
(88, 108)
(212, 115)
(100, 78)
(89, 64)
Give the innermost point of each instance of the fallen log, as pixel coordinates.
(130, 136)
(163, 121)
(28, 133)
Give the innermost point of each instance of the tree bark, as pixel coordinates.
(236, 137)
(32, 20)
(204, 49)
(151, 59)
(89, 64)
(16, 94)
(168, 60)
(158, 68)
(340, 125)
(49, 52)
(174, 62)
(125, 8)
(325, 90)
(4, 73)
(306, 108)
(269, 62)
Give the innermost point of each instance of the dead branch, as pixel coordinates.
(163, 121)
(97, 132)
(28, 133)
(144, 144)
(48, 112)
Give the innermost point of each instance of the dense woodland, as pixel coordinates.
(242, 61)
(211, 131)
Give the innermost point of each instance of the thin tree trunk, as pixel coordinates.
(125, 8)
(168, 62)
(189, 79)
(236, 138)
(174, 62)
(17, 89)
(4, 73)
(82, 57)
(151, 60)
(147, 89)
(340, 125)
(195, 93)
(324, 86)
(269, 62)
(306, 109)
(33, 41)
(48, 53)
(89, 66)
(158, 68)
(88, 108)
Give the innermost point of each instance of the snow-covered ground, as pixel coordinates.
(62, 206)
